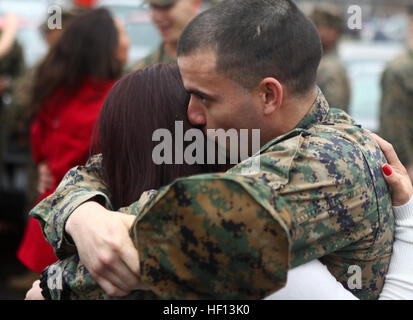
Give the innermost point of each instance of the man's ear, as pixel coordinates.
(270, 92)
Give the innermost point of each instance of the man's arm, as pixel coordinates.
(213, 237)
(81, 184)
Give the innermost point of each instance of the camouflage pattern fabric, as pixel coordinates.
(396, 110)
(158, 56)
(333, 80)
(319, 187)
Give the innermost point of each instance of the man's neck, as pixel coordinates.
(296, 108)
(170, 48)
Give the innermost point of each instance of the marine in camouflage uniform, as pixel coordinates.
(332, 75)
(161, 55)
(396, 111)
(319, 194)
(333, 80)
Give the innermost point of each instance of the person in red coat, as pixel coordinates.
(71, 85)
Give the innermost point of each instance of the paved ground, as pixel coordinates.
(9, 265)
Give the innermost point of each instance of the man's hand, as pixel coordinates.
(104, 246)
(35, 293)
(395, 174)
(45, 178)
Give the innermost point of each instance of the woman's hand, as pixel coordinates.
(395, 174)
(35, 293)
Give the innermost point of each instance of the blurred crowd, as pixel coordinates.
(48, 110)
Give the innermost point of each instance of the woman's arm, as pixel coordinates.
(399, 278)
(313, 281)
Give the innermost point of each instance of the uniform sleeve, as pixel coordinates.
(208, 237)
(80, 184)
(69, 278)
(395, 116)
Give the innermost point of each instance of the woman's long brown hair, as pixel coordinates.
(137, 105)
(87, 48)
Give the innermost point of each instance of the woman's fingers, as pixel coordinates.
(395, 173)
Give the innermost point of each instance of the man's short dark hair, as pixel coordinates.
(254, 39)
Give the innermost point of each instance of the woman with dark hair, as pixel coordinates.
(70, 87)
(137, 105)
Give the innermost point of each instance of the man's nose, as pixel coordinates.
(196, 114)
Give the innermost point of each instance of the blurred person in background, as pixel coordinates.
(396, 110)
(11, 66)
(18, 131)
(70, 86)
(170, 18)
(332, 76)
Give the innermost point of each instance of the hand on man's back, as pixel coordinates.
(104, 246)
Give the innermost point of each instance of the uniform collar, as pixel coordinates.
(317, 113)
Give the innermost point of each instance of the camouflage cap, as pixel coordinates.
(161, 3)
(328, 14)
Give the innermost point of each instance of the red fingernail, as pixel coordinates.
(387, 170)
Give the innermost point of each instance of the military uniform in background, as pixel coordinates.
(333, 81)
(158, 56)
(19, 130)
(319, 194)
(12, 66)
(332, 75)
(396, 113)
